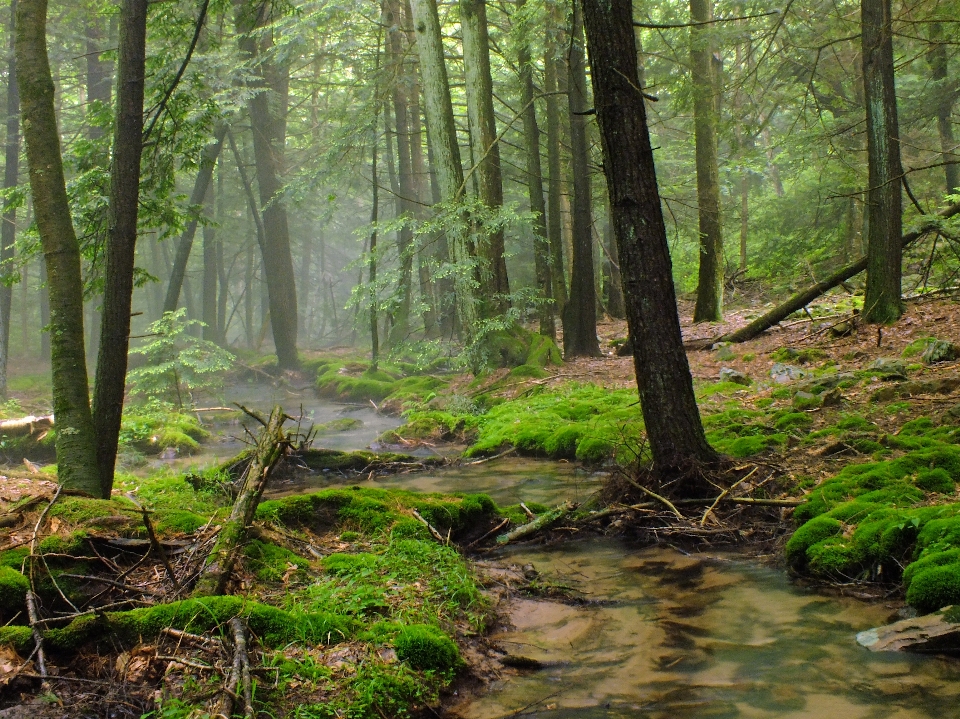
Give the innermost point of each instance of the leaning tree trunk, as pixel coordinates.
(531, 138)
(943, 101)
(671, 417)
(495, 286)
(219, 564)
(709, 307)
(881, 302)
(121, 238)
(11, 176)
(269, 135)
(76, 442)
(442, 136)
(208, 160)
(580, 314)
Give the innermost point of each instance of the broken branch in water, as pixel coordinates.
(541, 522)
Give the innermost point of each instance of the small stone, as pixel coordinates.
(885, 394)
(931, 633)
(728, 374)
(890, 367)
(842, 329)
(786, 373)
(805, 400)
(725, 353)
(940, 351)
(831, 398)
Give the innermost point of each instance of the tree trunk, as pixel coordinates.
(554, 181)
(881, 302)
(76, 442)
(223, 275)
(442, 136)
(494, 284)
(248, 296)
(269, 134)
(615, 303)
(11, 176)
(674, 430)
(46, 351)
(580, 313)
(531, 136)
(374, 217)
(709, 307)
(943, 101)
(201, 185)
(208, 290)
(121, 238)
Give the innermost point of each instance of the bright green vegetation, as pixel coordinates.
(154, 426)
(344, 424)
(875, 520)
(354, 381)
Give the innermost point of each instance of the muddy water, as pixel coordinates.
(674, 636)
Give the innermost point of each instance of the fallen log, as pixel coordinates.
(271, 445)
(26, 425)
(805, 297)
(541, 522)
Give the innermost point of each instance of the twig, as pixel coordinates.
(493, 531)
(37, 638)
(656, 496)
(724, 493)
(104, 580)
(490, 459)
(436, 535)
(186, 662)
(526, 509)
(155, 543)
(240, 641)
(182, 635)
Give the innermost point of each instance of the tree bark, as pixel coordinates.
(76, 441)
(615, 303)
(554, 180)
(11, 176)
(208, 290)
(494, 284)
(201, 185)
(709, 307)
(442, 136)
(121, 238)
(372, 276)
(531, 135)
(881, 301)
(677, 441)
(580, 313)
(943, 101)
(269, 134)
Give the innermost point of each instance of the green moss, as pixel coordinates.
(13, 592)
(272, 563)
(19, 637)
(934, 588)
(935, 480)
(814, 531)
(425, 647)
(528, 370)
(178, 521)
(543, 351)
(917, 347)
(792, 420)
(344, 424)
(801, 356)
(346, 564)
(748, 446)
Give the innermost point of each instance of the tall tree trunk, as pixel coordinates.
(709, 307)
(223, 275)
(580, 313)
(46, 350)
(11, 176)
(615, 303)
(248, 296)
(554, 180)
(442, 136)
(76, 441)
(201, 185)
(374, 217)
(531, 136)
(208, 290)
(269, 134)
(121, 238)
(943, 101)
(495, 286)
(671, 417)
(881, 301)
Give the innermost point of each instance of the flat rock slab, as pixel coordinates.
(929, 634)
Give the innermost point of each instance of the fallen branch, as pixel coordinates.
(724, 493)
(434, 533)
(26, 425)
(487, 535)
(240, 643)
(34, 619)
(654, 495)
(541, 522)
(155, 545)
(490, 459)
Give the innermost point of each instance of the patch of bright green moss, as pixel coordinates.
(13, 592)
(425, 647)
(272, 563)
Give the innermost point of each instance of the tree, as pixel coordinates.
(677, 441)
(944, 98)
(76, 442)
(580, 313)
(881, 301)
(554, 179)
(709, 306)
(11, 175)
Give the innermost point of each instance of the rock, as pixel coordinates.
(805, 400)
(786, 373)
(831, 398)
(725, 352)
(728, 374)
(827, 381)
(940, 351)
(890, 367)
(842, 329)
(954, 411)
(935, 633)
(884, 394)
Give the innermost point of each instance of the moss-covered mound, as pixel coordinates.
(395, 386)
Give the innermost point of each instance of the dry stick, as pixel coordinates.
(240, 642)
(724, 493)
(37, 638)
(657, 497)
(180, 634)
(526, 509)
(490, 459)
(155, 543)
(487, 535)
(110, 582)
(436, 535)
(186, 662)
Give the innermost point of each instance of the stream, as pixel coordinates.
(670, 635)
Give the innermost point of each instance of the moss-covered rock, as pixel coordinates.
(426, 647)
(13, 592)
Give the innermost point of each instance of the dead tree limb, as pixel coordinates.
(805, 297)
(240, 643)
(219, 563)
(541, 522)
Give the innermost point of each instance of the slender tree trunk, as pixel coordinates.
(772, 168)
(46, 350)
(76, 441)
(223, 275)
(672, 420)
(208, 290)
(709, 307)
(248, 296)
(121, 238)
(374, 217)
(943, 101)
(881, 301)
(208, 161)
(446, 155)
(615, 303)
(11, 176)
(269, 134)
(495, 286)
(580, 313)
(554, 181)
(531, 135)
